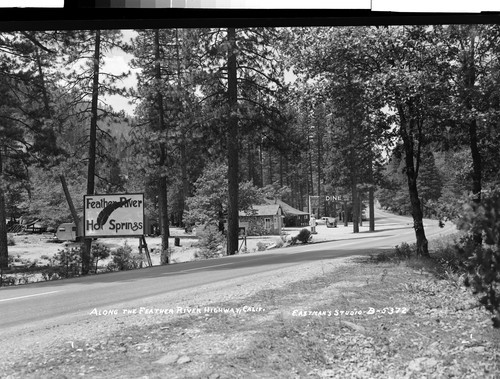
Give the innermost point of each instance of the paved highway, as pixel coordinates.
(46, 301)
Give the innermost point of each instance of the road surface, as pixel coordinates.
(44, 303)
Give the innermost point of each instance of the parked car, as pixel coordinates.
(330, 222)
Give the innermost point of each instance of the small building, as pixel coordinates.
(292, 217)
(266, 219)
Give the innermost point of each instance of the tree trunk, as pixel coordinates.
(418, 225)
(261, 166)
(354, 190)
(4, 251)
(250, 162)
(184, 163)
(69, 200)
(281, 170)
(310, 174)
(353, 160)
(470, 79)
(346, 214)
(92, 145)
(407, 128)
(360, 214)
(232, 147)
(185, 179)
(355, 208)
(371, 197)
(371, 201)
(287, 176)
(162, 180)
(299, 186)
(270, 162)
(319, 163)
(93, 120)
(164, 222)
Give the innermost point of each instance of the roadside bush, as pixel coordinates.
(211, 242)
(125, 259)
(99, 252)
(10, 240)
(67, 263)
(17, 274)
(405, 251)
(304, 236)
(7, 280)
(484, 261)
(448, 255)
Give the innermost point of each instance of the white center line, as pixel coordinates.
(23, 297)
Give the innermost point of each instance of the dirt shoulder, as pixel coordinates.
(328, 318)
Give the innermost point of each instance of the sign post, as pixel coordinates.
(314, 205)
(115, 215)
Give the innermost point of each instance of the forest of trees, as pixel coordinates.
(408, 115)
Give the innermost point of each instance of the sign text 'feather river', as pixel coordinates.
(113, 215)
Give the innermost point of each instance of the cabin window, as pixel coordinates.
(268, 223)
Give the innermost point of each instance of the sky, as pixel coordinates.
(118, 62)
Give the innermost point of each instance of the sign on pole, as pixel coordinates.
(113, 215)
(333, 198)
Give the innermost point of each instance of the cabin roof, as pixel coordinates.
(263, 210)
(288, 210)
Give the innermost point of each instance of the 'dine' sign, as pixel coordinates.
(113, 215)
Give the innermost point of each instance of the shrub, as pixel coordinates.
(67, 263)
(405, 251)
(484, 267)
(304, 236)
(125, 259)
(450, 257)
(211, 242)
(50, 273)
(99, 252)
(7, 280)
(10, 240)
